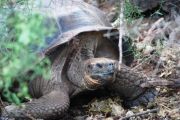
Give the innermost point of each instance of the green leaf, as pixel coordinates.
(15, 99)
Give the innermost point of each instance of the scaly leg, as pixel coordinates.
(102, 72)
(47, 107)
(127, 85)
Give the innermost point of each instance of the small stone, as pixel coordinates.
(148, 50)
(80, 118)
(129, 113)
(117, 110)
(110, 118)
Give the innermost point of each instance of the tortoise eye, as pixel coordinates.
(99, 65)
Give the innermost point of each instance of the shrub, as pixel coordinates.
(20, 31)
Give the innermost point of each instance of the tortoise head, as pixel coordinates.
(99, 72)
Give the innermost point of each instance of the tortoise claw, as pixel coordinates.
(143, 99)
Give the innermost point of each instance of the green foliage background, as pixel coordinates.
(20, 29)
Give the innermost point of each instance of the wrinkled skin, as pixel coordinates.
(89, 63)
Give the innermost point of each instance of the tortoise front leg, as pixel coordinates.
(48, 107)
(127, 85)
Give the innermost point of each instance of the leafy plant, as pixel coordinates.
(131, 11)
(159, 11)
(20, 34)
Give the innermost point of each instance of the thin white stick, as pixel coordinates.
(121, 31)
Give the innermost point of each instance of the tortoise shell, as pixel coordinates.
(70, 18)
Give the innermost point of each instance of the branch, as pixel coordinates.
(141, 113)
(121, 31)
(138, 114)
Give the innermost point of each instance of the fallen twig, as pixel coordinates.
(156, 25)
(155, 31)
(138, 114)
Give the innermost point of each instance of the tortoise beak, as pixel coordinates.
(104, 79)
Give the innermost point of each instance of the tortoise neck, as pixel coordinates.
(83, 48)
(59, 68)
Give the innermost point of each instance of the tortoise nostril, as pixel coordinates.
(89, 66)
(99, 65)
(110, 64)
